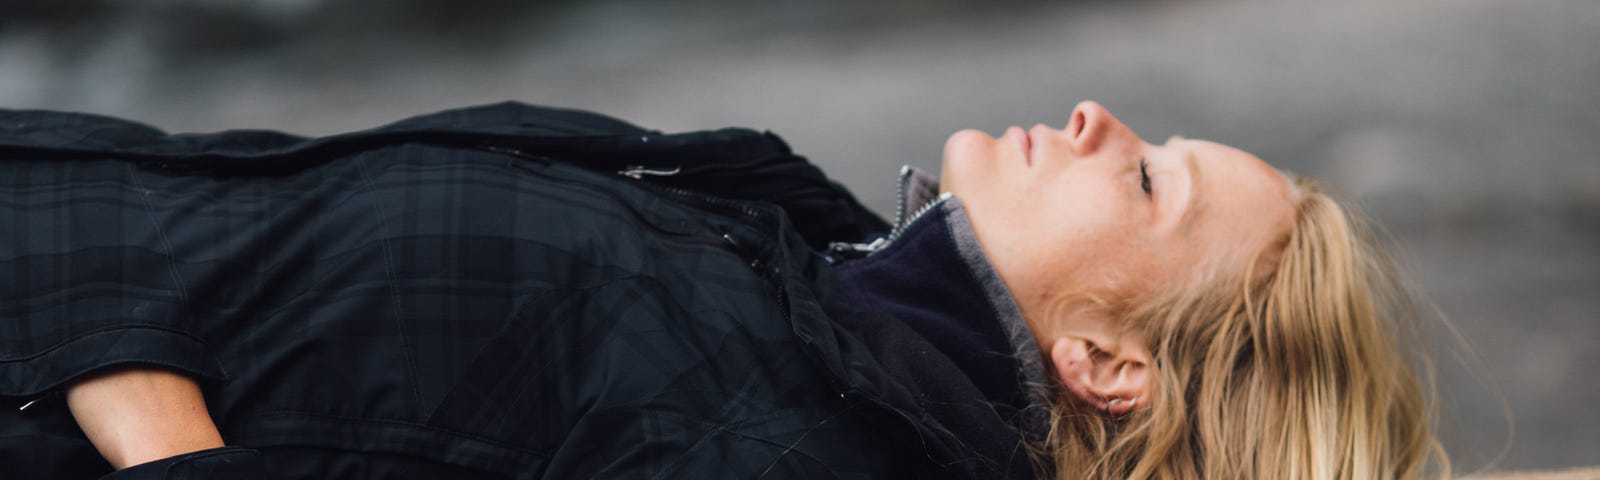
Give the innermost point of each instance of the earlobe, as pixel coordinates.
(1111, 377)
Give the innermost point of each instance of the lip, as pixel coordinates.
(1024, 142)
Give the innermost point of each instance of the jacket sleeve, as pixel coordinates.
(233, 463)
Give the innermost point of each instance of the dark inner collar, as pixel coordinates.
(921, 278)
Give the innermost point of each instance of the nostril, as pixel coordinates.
(1075, 126)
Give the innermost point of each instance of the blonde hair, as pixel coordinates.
(1293, 370)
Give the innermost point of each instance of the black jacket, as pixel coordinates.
(496, 292)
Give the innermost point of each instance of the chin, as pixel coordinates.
(969, 139)
(967, 155)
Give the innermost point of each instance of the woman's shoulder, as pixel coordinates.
(738, 164)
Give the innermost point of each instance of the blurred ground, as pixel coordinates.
(1468, 128)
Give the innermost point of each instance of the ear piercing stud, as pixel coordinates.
(1115, 402)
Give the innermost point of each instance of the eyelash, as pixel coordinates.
(1144, 177)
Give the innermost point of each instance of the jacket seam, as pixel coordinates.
(104, 330)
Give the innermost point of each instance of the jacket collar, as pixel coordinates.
(917, 264)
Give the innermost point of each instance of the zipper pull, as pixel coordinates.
(47, 396)
(754, 257)
(749, 256)
(639, 171)
(504, 150)
(858, 248)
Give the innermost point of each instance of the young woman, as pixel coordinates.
(518, 292)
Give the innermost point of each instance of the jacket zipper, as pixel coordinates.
(900, 196)
(900, 228)
(773, 275)
(901, 220)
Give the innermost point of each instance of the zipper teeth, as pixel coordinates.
(901, 220)
(773, 274)
(900, 197)
(900, 228)
(691, 194)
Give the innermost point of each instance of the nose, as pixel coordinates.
(1092, 127)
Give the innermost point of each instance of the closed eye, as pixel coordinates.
(1144, 176)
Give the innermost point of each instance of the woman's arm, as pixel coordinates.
(139, 413)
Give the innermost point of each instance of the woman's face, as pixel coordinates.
(1093, 208)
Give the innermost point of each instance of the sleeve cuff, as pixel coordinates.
(216, 463)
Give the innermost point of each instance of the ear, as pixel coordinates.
(1112, 374)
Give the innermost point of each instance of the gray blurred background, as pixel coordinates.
(1468, 128)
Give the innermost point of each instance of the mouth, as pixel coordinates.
(1024, 143)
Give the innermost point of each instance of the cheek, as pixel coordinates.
(1086, 203)
(1093, 244)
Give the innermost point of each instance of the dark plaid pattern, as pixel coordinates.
(455, 296)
